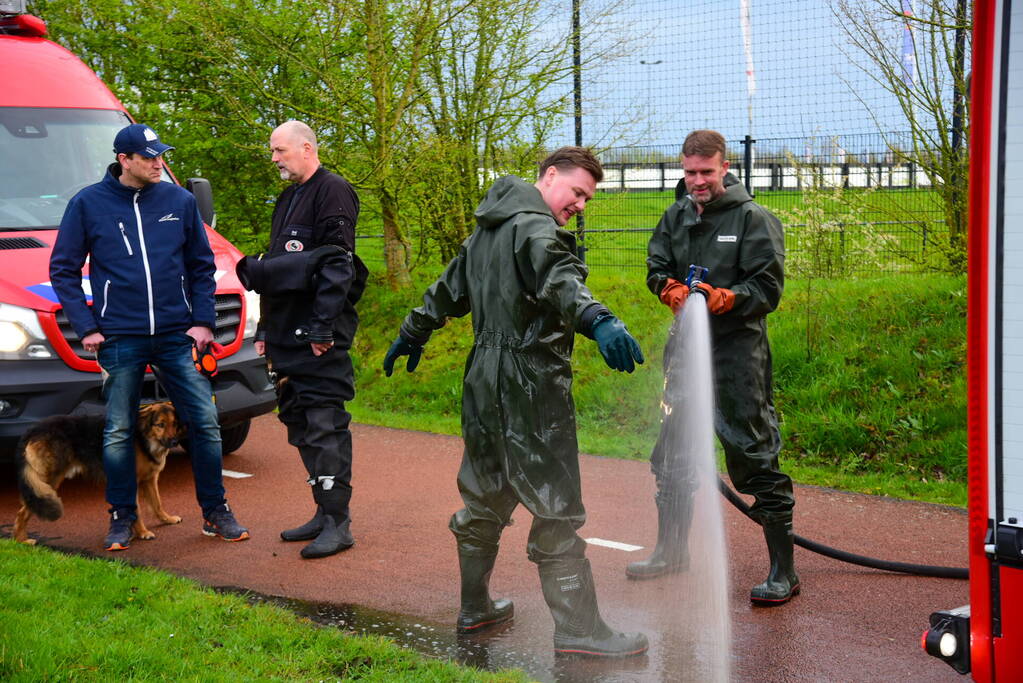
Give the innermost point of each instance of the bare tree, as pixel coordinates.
(931, 91)
(494, 92)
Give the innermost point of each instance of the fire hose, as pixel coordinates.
(853, 558)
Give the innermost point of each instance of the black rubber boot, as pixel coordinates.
(478, 612)
(782, 583)
(671, 555)
(307, 531)
(336, 534)
(578, 628)
(335, 537)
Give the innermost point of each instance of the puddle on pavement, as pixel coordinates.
(490, 652)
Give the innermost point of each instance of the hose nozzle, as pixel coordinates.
(696, 275)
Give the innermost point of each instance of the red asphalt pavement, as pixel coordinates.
(849, 624)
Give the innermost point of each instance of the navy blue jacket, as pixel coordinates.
(150, 264)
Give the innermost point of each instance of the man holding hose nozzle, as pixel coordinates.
(519, 277)
(716, 224)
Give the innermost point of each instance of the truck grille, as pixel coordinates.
(229, 317)
(21, 243)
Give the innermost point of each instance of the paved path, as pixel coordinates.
(850, 623)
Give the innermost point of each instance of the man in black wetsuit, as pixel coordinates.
(307, 334)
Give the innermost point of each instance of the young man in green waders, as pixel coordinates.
(520, 278)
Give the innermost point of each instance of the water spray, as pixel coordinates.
(690, 512)
(695, 276)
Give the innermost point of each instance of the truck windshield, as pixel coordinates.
(48, 155)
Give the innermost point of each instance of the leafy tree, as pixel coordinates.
(397, 37)
(493, 92)
(233, 71)
(487, 102)
(177, 77)
(420, 103)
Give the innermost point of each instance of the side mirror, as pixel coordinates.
(203, 192)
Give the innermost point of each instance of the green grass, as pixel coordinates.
(857, 232)
(71, 618)
(869, 375)
(871, 381)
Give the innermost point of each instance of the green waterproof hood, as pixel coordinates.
(509, 196)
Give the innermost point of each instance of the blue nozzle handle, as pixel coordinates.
(696, 275)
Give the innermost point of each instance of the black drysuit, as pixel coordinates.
(519, 277)
(312, 390)
(742, 245)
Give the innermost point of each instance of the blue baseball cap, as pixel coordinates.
(139, 138)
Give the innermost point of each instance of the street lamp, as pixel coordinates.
(649, 104)
(577, 92)
(577, 74)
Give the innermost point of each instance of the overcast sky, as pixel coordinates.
(687, 69)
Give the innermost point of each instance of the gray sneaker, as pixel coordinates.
(221, 522)
(120, 534)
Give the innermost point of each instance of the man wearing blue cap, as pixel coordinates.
(151, 274)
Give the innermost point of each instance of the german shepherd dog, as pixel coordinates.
(64, 446)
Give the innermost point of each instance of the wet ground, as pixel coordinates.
(850, 623)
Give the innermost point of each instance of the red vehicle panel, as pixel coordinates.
(57, 125)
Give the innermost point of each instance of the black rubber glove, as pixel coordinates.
(617, 345)
(402, 347)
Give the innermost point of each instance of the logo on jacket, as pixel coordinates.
(168, 217)
(728, 238)
(293, 245)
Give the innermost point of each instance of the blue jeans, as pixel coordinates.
(124, 357)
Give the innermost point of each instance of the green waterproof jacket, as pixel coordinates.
(520, 278)
(739, 241)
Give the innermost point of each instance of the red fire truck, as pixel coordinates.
(57, 125)
(985, 638)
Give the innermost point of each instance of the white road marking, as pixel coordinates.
(614, 544)
(236, 475)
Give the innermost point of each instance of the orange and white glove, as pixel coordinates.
(674, 294)
(719, 299)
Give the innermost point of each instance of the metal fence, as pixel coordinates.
(844, 250)
(906, 249)
(849, 206)
(797, 80)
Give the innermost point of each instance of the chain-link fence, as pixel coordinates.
(795, 83)
(848, 206)
(800, 81)
(772, 69)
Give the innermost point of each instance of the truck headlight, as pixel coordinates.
(21, 335)
(251, 314)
